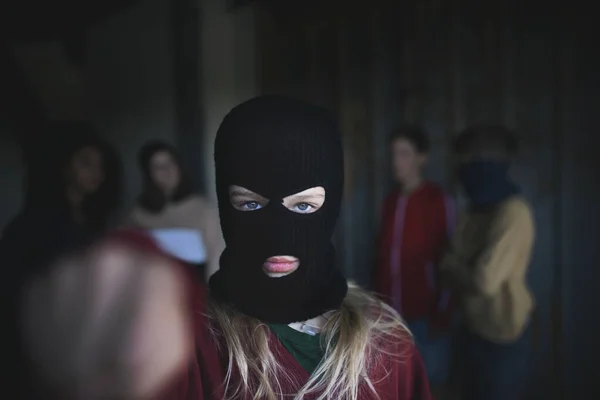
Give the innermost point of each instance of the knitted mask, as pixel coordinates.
(277, 147)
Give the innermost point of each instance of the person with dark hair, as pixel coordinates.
(185, 223)
(414, 135)
(486, 265)
(72, 192)
(418, 218)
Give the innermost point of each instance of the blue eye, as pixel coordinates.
(250, 206)
(303, 208)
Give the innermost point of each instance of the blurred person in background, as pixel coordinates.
(70, 202)
(418, 219)
(486, 265)
(183, 222)
(279, 319)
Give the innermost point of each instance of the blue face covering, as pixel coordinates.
(486, 182)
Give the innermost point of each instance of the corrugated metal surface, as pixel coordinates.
(444, 67)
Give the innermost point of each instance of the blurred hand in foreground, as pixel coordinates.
(108, 324)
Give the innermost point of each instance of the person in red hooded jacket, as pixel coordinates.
(418, 219)
(278, 320)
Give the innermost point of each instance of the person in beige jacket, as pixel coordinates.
(185, 224)
(486, 266)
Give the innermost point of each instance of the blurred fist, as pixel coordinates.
(108, 324)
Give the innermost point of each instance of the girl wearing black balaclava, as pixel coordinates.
(279, 320)
(487, 267)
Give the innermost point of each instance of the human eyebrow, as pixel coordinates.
(237, 192)
(240, 193)
(300, 197)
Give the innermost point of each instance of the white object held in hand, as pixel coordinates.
(184, 244)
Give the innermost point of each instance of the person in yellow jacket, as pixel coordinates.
(486, 266)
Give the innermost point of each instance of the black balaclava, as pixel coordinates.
(276, 146)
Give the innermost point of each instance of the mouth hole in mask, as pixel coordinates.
(280, 266)
(305, 202)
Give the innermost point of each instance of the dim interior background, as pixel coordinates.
(145, 69)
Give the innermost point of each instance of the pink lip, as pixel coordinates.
(280, 264)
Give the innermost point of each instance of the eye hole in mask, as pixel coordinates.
(306, 202)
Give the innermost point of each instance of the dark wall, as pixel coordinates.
(444, 66)
(185, 37)
(131, 79)
(125, 81)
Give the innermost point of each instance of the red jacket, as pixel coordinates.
(413, 235)
(403, 378)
